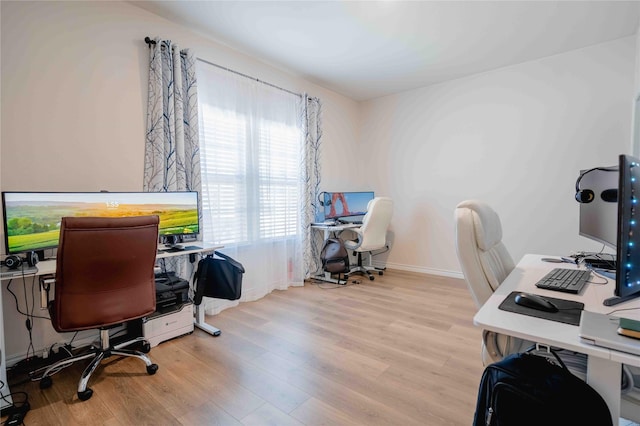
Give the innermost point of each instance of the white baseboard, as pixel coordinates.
(421, 270)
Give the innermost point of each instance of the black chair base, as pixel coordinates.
(364, 269)
(98, 354)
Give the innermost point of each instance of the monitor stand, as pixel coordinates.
(171, 242)
(41, 255)
(615, 300)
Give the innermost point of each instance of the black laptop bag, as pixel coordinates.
(528, 389)
(218, 277)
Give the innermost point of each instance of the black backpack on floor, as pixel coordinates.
(335, 258)
(528, 389)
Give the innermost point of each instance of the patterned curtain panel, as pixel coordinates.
(172, 155)
(172, 150)
(311, 176)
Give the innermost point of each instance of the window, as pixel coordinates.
(250, 138)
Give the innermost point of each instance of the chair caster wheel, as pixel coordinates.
(146, 347)
(371, 277)
(84, 395)
(151, 369)
(380, 273)
(45, 382)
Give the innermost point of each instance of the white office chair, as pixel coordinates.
(372, 235)
(485, 263)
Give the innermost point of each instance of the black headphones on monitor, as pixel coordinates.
(14, 262)
(587, 195)
(321, 199)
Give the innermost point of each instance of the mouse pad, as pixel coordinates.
(568, 310)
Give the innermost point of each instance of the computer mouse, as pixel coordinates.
(534, 301)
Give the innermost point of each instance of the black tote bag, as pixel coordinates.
(220, 278)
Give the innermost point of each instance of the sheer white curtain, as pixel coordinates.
(251, 140)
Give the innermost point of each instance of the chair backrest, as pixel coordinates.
(375, 224)
(483, 257)
(104, 272)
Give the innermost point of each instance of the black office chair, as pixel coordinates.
(104, 277)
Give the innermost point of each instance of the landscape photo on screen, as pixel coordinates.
(32, 220)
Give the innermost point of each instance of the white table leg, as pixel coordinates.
(199, 322)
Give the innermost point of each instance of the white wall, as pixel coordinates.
(515, 137)
(74, 88)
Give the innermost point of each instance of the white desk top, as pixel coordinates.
(49, 266)
(337, 227)
(523, 278)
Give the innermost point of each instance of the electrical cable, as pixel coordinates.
(621, 310)
(332, 286)
(29, 313)
(70, 344)
(23, 407)
(30, 318)
(17, 303)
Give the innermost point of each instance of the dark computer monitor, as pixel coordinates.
(599, 204)
(628, 241)
(345, 204)
(32, 219)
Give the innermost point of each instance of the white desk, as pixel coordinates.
(604, 365)
(326, 234)
(49, 267)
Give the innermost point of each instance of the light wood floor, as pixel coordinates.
(400, 350)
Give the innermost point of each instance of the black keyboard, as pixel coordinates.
(566, 280)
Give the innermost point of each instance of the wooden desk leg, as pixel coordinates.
(604, 376)
(199, 322)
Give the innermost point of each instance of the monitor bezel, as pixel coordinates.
(329, 194)
(628, 242)
(161, 236)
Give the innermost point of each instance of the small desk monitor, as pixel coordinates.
(32, 219)
(628, 243)
(345, 204)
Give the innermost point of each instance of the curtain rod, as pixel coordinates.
(150, 42)
(250, 77)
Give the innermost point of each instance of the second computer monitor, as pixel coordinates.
(599, 216)
(345, 204)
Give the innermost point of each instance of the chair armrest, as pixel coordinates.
(354, 244)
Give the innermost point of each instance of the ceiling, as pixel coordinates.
(368, 49)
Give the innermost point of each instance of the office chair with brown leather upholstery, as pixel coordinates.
(104, 277)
